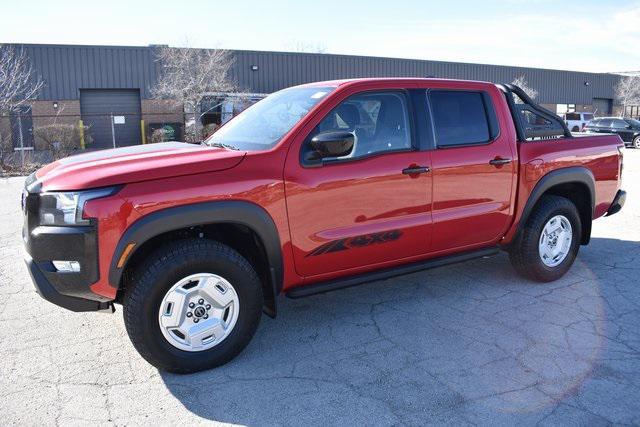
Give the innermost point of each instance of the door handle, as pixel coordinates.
(414, 170)
(499, 162)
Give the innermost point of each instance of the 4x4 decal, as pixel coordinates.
(356, 242)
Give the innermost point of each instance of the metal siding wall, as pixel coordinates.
(66, 69)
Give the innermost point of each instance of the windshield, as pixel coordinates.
(263, 125)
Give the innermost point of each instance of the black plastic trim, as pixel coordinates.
(332, 285)
(422, 120)
(618, 203)
(229, 212)
(46, 290)
(49, 243)
(508, 89)
(576, 174)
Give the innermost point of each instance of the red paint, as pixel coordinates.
(462, 203)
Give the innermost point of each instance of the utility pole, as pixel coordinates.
(113, 132)
(21, 136)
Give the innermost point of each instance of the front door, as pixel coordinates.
(360, 210)
(473, 169)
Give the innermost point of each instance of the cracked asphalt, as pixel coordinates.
(466, 344)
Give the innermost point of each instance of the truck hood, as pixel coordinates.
(133, 164)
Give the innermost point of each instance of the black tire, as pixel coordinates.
(575, 129)
(524, 253)
(153, 278)
(636, 142)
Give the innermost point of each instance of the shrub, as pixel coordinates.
(62, 139)
(159, 135)
(209, 130)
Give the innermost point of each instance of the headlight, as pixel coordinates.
(65, 208)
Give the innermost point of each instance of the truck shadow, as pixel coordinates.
(468, 341)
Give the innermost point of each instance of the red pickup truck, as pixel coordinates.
(315, 188)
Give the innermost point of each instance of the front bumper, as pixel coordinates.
(618, 203)
(47, 291)
(44, 244)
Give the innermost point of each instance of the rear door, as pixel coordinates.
(573, 121)
(604, 126)
(586, 118)
(367, 208)
(623, 129)
(474, 167)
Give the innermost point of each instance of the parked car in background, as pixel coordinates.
(576, 122)
(628, 129)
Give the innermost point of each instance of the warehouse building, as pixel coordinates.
(108, 87)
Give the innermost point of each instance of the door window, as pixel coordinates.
(618, 124)
(460, 118)
(378, 120)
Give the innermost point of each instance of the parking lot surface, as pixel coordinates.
(466, 344)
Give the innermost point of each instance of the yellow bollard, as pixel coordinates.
(81, 133)
(142, 132)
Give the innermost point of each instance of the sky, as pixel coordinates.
(585, 35)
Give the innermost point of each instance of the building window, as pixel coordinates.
(565, 108)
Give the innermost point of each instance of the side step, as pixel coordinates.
(332, 285)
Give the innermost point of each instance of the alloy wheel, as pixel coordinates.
(198, 312)
(555, 241)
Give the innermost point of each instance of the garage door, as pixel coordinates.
(101, 107)
(602, 106)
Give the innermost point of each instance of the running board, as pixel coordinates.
(332, 285)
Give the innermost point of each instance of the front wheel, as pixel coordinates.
(549, 242)
(193, 305)
(636, 142)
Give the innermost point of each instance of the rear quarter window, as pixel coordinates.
(462, 118)
(572, 116)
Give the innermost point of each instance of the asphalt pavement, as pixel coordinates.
(465, 344)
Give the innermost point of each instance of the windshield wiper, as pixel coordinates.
(221, 145)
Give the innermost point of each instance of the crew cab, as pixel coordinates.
(314, 188)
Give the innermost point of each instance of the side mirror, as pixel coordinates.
(332, 144)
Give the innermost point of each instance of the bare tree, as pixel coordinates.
(18, 82)
(521, 82)
(627, 92)
(19, 85)
(187, 74)
(306, 46)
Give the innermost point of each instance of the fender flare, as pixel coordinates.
(184, 216)
(574, 174)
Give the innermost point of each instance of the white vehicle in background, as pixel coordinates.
(577, 121)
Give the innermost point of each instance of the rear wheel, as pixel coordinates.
(193, 305)
(549, 241)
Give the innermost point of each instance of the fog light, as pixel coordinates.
(66, 266)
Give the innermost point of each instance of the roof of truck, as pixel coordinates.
(342, 82)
